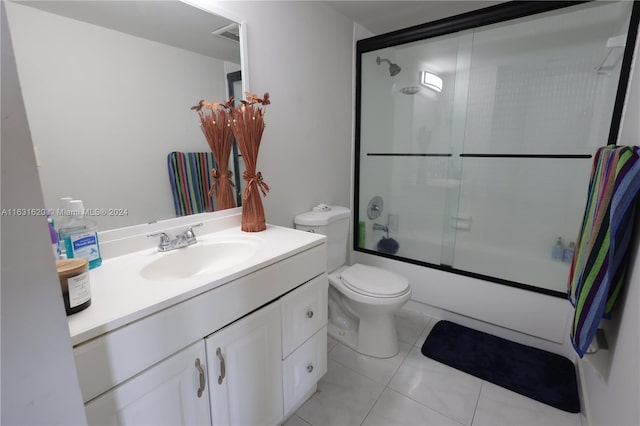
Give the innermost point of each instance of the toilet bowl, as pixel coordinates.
(362, 298)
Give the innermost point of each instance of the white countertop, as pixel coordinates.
(120, 295)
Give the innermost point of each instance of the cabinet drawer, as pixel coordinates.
(304, 311)
(304, 367)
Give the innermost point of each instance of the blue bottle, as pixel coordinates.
(80, 236)
(567, 253)
(558, 250)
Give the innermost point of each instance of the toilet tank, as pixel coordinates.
(334, 224)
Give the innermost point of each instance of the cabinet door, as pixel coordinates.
(172, 392)
(245, 370)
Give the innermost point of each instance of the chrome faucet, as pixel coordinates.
(184, 239)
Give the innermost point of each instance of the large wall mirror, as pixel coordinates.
(108, 87)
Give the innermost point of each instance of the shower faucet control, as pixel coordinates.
(378, 227)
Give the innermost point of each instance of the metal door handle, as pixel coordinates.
(202, 377)
(222, 368)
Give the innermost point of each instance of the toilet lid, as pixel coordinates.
(372, 281)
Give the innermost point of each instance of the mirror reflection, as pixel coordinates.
(108, 88)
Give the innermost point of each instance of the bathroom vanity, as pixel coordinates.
(195, 336)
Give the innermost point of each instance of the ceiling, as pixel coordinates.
(381, 17)
(187, 27)
(170, 22)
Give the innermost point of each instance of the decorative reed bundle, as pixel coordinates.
(216, 127)
(248, 126)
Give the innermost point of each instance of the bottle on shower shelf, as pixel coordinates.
(558, 250)
(567, 253)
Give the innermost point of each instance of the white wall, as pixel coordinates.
(39, 379)
(105, 108)
(301, 53)
(612, 378)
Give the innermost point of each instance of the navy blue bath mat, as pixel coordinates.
(537, 374)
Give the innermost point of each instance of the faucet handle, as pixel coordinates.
(165, 240)
(188, 233)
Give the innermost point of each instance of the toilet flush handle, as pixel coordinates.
(309, 314)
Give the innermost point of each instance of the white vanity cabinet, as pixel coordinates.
(173, 392)
(245, 370)
(258, 338)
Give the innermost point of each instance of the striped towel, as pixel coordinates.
(602, 248)
(190, 179)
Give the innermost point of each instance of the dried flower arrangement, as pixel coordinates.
(247, 124)
(215, 123)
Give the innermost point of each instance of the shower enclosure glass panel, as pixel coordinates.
(407, 151)
(480, 141)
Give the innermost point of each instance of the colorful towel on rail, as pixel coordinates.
(190, 179)
(602, 249)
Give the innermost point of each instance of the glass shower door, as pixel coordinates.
(405, 148)
(480, 141)
(536, 111)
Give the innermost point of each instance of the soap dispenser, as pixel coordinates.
(80, 236)
(558, 250)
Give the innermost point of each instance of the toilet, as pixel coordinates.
(362, 298)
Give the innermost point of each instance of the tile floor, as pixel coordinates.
(411, 389)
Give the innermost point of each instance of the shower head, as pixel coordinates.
(394, 69)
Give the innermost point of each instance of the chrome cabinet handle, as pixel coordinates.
(222, 368)
(310, 368)
(309, 313)
(202, 377)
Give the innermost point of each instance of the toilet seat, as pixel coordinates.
(374, 282)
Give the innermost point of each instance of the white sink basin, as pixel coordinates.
(200, 258)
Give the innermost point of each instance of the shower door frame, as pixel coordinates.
(468, 21)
